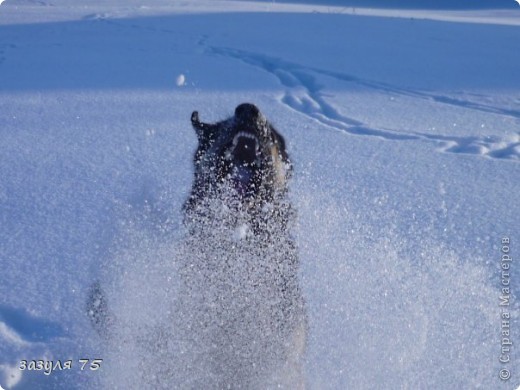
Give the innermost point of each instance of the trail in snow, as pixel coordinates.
(305, 95)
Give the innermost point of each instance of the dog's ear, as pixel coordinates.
(205, 131)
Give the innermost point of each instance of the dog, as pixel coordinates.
(239, 317)
(246, 309)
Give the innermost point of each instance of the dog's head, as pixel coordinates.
(243, 155)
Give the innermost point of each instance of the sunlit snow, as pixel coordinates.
(404, 130)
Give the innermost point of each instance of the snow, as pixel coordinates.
(181, 80)
(403, 126)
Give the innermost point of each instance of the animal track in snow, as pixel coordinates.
(305, 95)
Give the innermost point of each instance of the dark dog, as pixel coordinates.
(242, 268)
(238, 319)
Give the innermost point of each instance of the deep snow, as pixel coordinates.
(405, 137)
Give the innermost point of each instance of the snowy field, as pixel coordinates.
(404, 129)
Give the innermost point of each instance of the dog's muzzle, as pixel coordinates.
(244, 159)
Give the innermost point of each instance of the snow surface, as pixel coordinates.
(404, 130)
